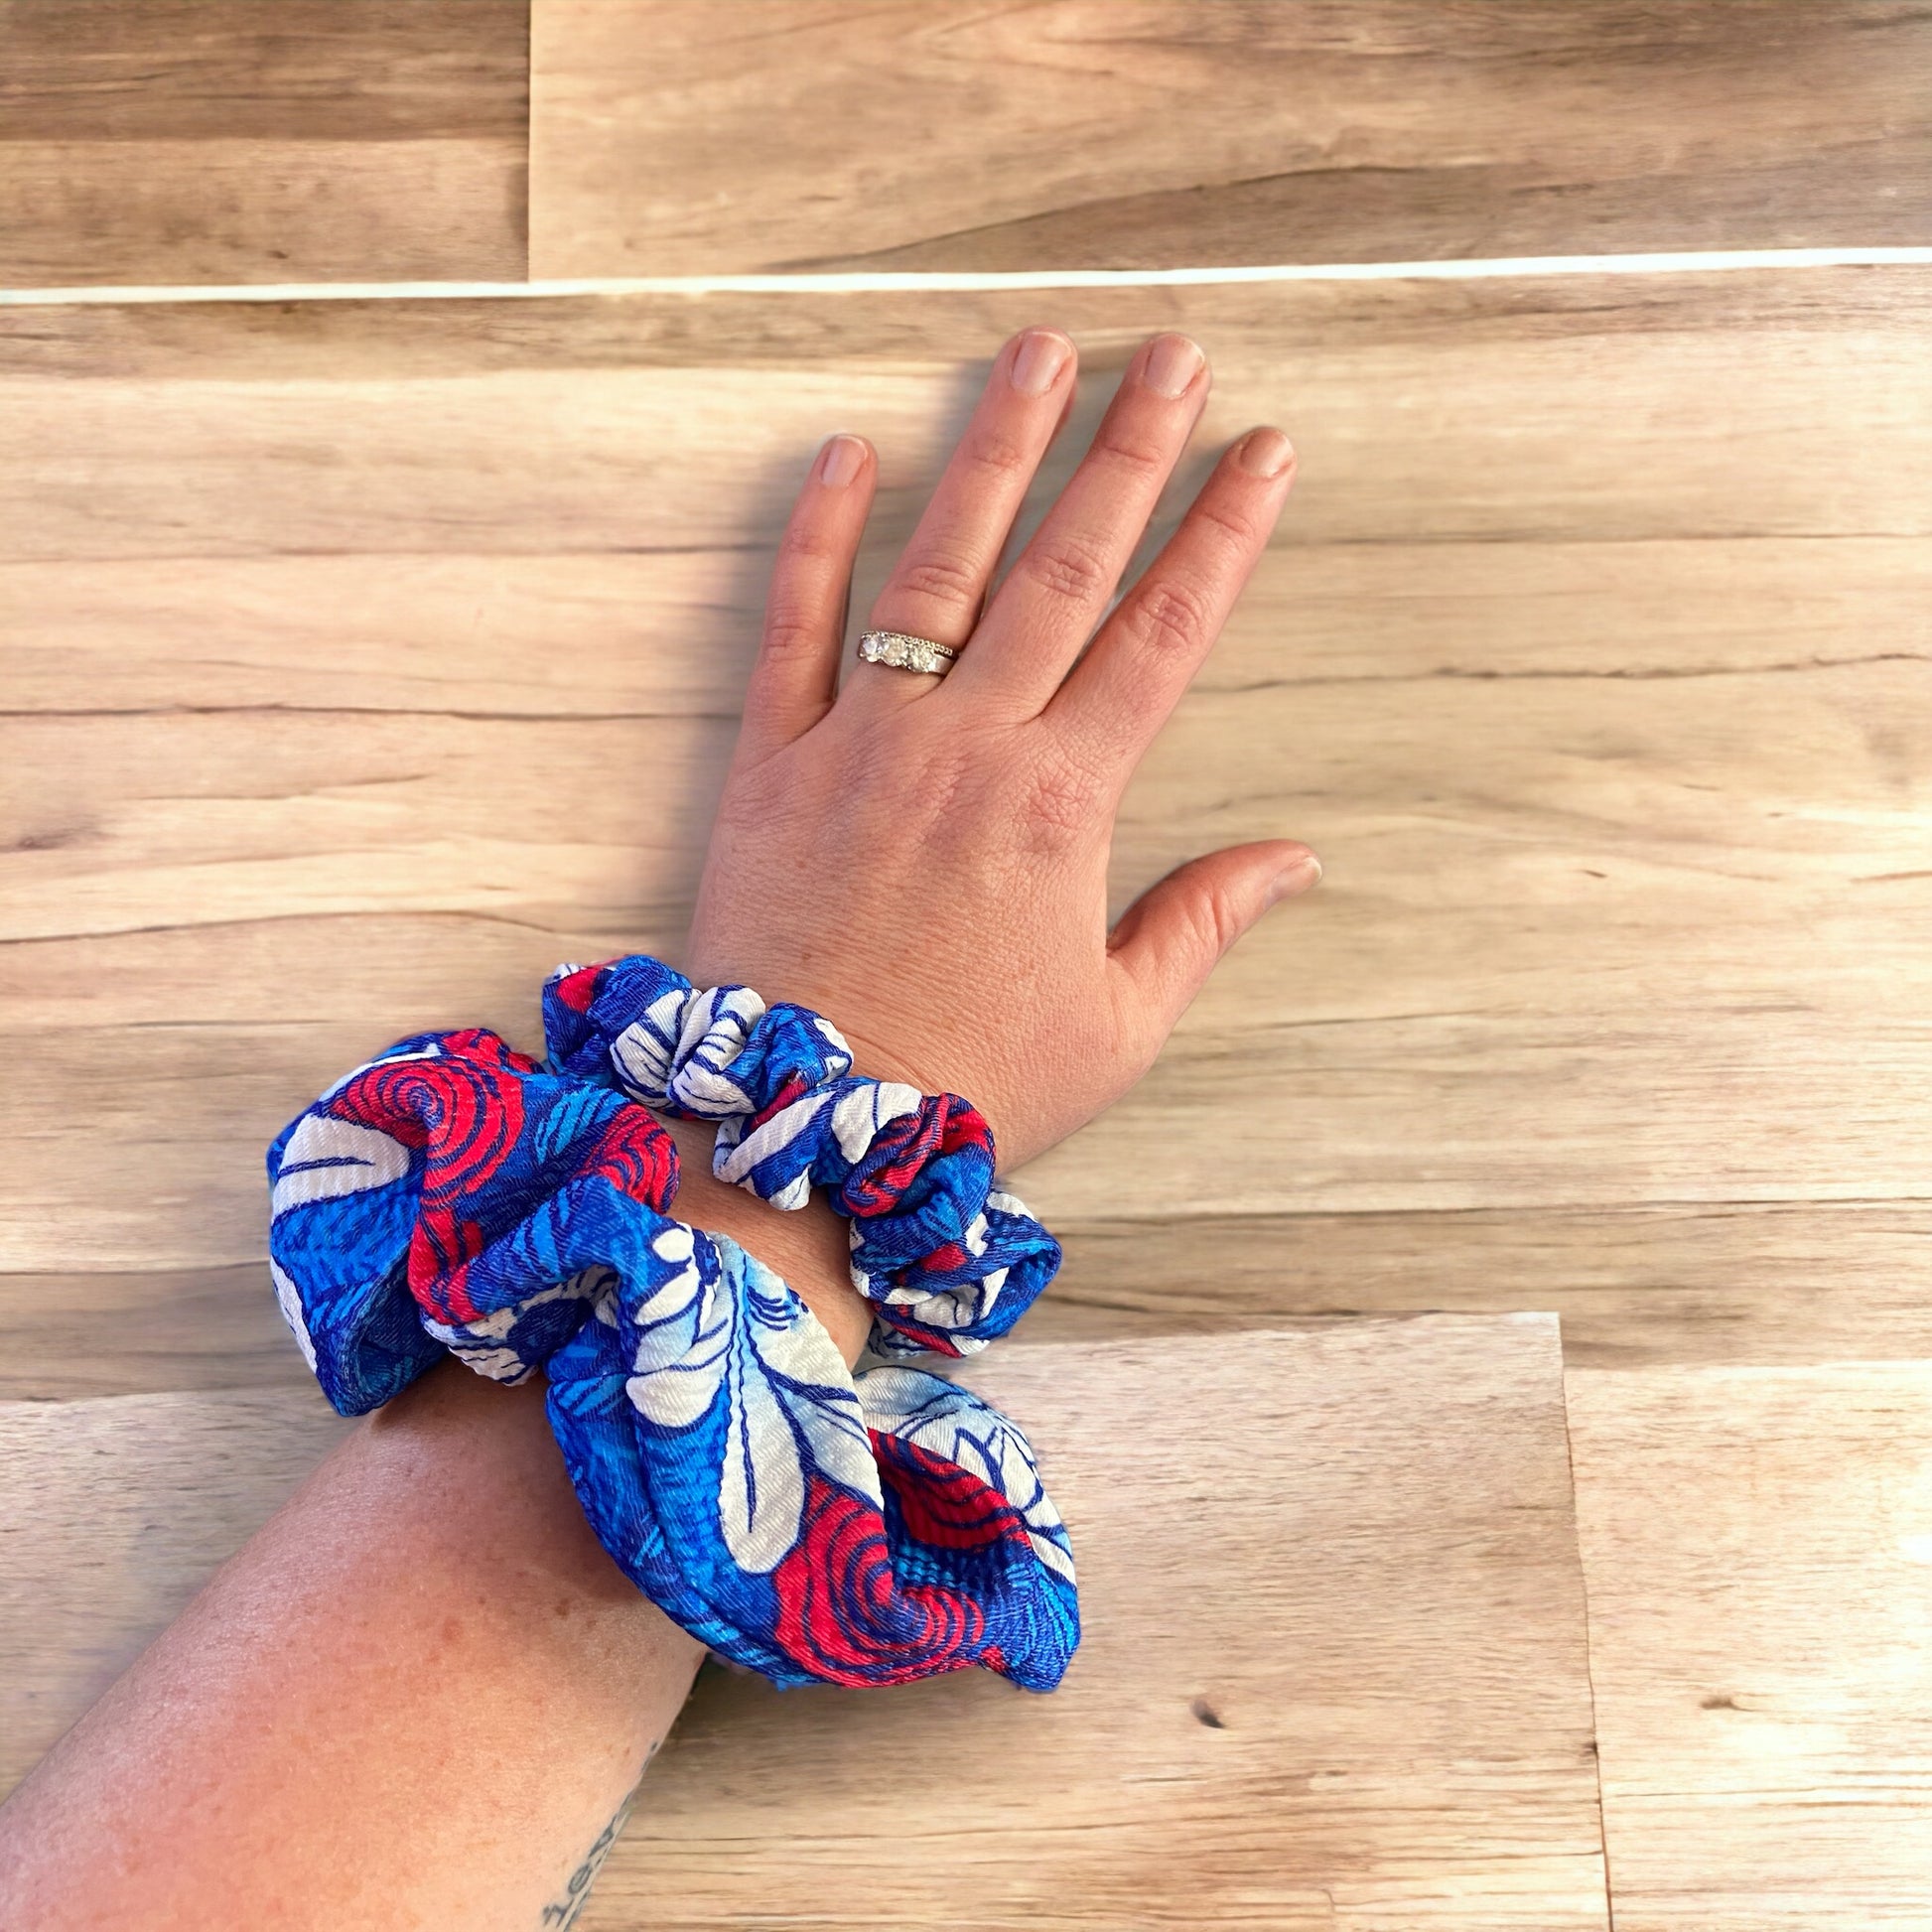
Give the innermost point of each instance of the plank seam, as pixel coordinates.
(1590, 1647)
(882, 282)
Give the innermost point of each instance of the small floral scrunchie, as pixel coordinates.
(948, 1261)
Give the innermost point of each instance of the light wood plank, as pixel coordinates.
(1791, 1284)
(375, 658)
(195, 141)
(1796, 1282)
(1374, 1712)
(1756, 1543)
(1623, 409)
(508, 635)
(68, 1336)
(668, 138)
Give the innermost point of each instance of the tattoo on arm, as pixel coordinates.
(561, 1913)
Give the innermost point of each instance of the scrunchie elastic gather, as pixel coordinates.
(456, 1196)
(947, 1260)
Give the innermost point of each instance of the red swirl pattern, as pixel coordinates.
(905, 1149)
(464, 1109)
(638, 1157)
(941, 1503)
(838, 1605)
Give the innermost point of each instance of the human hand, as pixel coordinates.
(925, 862)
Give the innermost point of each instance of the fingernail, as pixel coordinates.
(840, 460)
(1171, 364)
(1265, 453)
(1038, 361)
(1294, 877)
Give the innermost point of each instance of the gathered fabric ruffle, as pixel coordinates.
(948, 1259)
(815, 1526)
(456, 1196)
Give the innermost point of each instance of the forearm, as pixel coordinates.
(419, 1695)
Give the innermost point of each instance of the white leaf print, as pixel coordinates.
(793, 1409)
(953, 1422)
(720, 1019)
(642, 1054)
(761, 1487)
(733, 1164)
(701, 1089)
(678, 1049)
(813, 1382)
(327, 1158)
(866, 1108)
(290, 1302)
(683, 1343)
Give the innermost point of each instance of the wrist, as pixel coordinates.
(807, 1246)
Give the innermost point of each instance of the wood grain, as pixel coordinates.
(371, 658)
(1795, 1283)
(1756, 1543)
(195, 141)
(1157, 133)
(1375, 1713)
(1791, 1284)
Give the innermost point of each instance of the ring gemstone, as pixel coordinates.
(902, 652)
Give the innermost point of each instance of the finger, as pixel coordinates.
(1060, 422)
(797, 668)
(1118, 696)
(1171, 938)
(939, 583)
(1059, 584)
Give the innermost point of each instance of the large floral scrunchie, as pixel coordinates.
(455, 1196)
(948, 1261)
(813, 1525)
(413, 1211)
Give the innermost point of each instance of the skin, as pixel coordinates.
(422, 1694)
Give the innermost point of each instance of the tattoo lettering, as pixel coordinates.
(561, 1913)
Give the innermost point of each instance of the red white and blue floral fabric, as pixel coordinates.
(456, 1196)
(948, 1261)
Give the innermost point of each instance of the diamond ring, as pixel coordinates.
(906, 653)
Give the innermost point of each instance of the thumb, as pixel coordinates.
(1173, 936)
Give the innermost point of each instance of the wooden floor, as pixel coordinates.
(1230, 1767)
(1147, 133)
(365, 659)
(262, 140)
